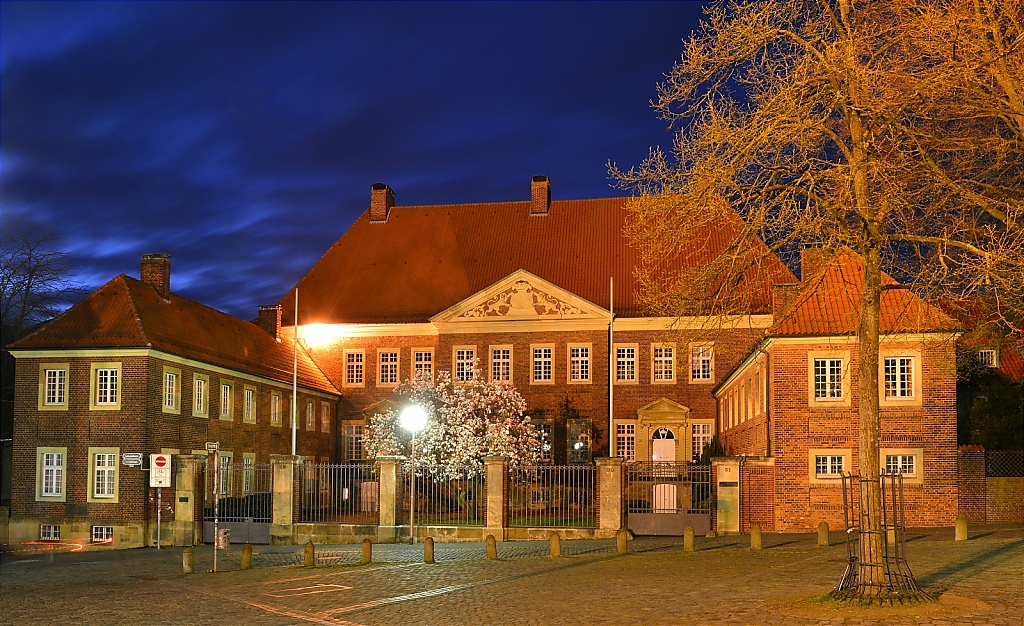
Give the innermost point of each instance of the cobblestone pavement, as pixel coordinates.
(979, 582)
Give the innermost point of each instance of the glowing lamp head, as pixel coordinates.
(413, 418)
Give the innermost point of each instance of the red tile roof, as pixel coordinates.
(424, 259)
(829, 304)
(127, 313)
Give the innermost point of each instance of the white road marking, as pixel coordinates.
(307, 591)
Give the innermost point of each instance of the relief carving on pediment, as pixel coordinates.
(522, 301)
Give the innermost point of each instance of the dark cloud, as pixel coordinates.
(242, 137)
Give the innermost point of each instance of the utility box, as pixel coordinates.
(223, 538)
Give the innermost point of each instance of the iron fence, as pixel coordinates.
(441, 500)
(245, 492)
(666, 487)
(553, 496)
(1004, 463)
(340, 493)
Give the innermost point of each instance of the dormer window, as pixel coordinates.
(988, 358)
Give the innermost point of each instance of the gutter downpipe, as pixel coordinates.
(295, 370)
(611, 366)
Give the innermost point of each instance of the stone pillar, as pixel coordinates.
(387, 474)
(185, 531)
(282, 528)
(609, 490)
(728, 471)
(496, 474)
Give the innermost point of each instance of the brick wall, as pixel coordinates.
(757, 494)
(971, 477)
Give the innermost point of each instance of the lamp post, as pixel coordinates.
(413, 419)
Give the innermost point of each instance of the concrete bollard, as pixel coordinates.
(309, 555)
(823, 535)
(428, 550)
(188, 561)
(688, 539)
(556, 545)
(621, 538)
(961, 528)
(247, 556)
(755, 536)
(492, 548)
(367, 552)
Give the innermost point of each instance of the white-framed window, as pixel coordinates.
(899, 376)
(53, 387)
(544, 430)
(49, 532)
(101, 534)
(172, 390)
(702, 363)
(200, 395)
(227, 399)
(388, 370)
(625, 441)
(105, 392)
(625, 364)
(701, 435)
(501, 363)
(353, 442)
(905, 464)
(829, 465)
(905, 461)
(275, 409)
(248, 464)
(579, 363)
(104, 467)
(828, 379)
(543, 363)
(310, 417)
(50, 474)
(465, 361)
(249, 404)
(663, 363)
(325, 417)
(423, 364)
(225, 471)
(988, 357)
(354, 361)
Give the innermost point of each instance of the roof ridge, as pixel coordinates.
(134, 309)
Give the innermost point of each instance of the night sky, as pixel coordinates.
(242, 138)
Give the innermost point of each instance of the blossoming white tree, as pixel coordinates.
(466, 422)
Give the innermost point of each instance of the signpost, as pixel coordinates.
(213, 448)
(132, 459)
(159, 477)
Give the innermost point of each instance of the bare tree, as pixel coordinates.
(892, 127)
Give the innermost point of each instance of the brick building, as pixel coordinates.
(791, 405)
(134, 368)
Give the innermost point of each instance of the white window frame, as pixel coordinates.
(898, 377)
(545, 432)
(103, 474)
(325, 417)
(501, 363)
(310, 415)
(542, 369)
(463, 363)
(275, 409)
(200, 395)
(354, 450)
(105, 386)
(101, 534)
(52, 462)
(248, 471)
(699, 440)
(49, 532)
(226, 468)
(834, 380)
(53, 377)
(388, 363)
(663, 363)
(171, 390)
(249, 404)
(988, 357)
(910, 382)
(829, 454)
(626, 364)
(423, 362)
(227, 399)
(625, 440)
(702, 363)
(355, 368)
(579, 364)
(900, 455)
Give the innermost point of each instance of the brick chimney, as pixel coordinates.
(270, 319)
(540, 195)
(783, 295)
(156, 271)
(381, 201)
(812, 260)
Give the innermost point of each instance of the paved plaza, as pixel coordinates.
(978, 582)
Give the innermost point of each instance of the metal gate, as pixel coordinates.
(663, 498)
(244, 501)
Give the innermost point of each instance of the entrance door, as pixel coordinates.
(663, 446)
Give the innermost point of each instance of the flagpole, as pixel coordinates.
(295, 370)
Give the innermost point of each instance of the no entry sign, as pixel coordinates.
(159, 470)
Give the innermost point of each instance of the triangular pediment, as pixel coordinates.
(521, 296)
(662, 405)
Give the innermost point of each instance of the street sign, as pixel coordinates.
(159, 470)
(212, 446)
(132, 459)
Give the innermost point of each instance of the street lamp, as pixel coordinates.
(413, 419)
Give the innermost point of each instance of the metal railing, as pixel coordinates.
(1004, 463)
(443, 501)
(339, 493)
(553, 496)
(665, 487)
(245, 492)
